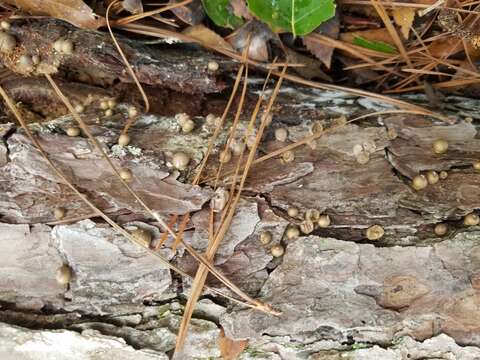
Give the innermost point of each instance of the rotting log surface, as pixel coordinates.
(410, 294)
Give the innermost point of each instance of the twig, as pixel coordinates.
(127, 64)
(145, 14)
(202, 272)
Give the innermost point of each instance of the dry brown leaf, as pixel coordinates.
(230, 349)
(310, 70)
(207, 37)
(403, 17)
(191, 14)
(75, 12)
(257, 34)
(443, 48)
(258, 49)
(375, 35)
(322, 52)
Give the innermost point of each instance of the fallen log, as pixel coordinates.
(413, 290)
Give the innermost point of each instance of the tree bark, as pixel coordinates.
(410, 293)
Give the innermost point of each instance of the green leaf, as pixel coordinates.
(300, 17)
(221, 13)
(375, 45)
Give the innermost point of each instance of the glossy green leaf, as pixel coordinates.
(299, 17)
(379, 46)
(221, 13)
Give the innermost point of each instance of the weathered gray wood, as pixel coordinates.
(338, 290)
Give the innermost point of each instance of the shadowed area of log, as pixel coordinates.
(38, 102)
(37, 97)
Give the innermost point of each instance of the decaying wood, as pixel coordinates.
(96, 60)
(333, 285)
(411, 292)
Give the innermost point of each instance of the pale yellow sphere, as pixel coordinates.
(124, 139)
(108, 112)
(443, 175)
(476, 165)
(182, 118)
(66, 47)
(26, 62)
(432, 177)
(225, 156)
(440, 146)
(363, 157)
(440, 229)
(180, 161)
(375, 232)
(288, 156)
(277, 250)
(213, 66)
(112, 103)
(324, 221)
(266, 237)
(132, 111)
(79, 108)
(292, 232)
(57, 45)
(5, 25)
(237, 147)
(212, 120)
(281, 134)
(471, 219)
(126, 174)
(63, 275)
(188, 126)
(292, 211)
(251, 140)
(59, 213)
(73, 131)
(419, 182)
